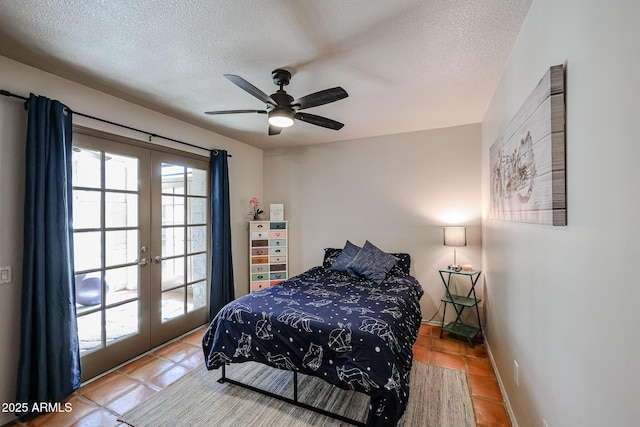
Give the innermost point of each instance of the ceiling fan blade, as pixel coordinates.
(274, 130)
(245, 85)
(320, 98)
(319, 121)
(235, 112)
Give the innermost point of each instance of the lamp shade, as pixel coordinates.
(455, 236)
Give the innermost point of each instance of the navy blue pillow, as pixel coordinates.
(348, 253)
(330, 256)
(404, 263)
(371, 263)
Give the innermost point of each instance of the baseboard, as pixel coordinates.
(505, 398)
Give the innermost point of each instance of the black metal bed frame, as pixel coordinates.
(223, 379)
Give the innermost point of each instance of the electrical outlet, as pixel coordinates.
(5, 275)
(516, 373)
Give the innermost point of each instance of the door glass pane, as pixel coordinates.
(197, 267)
(196, 182)
(121, 210)
(87, 168)
(197, 210)
(90, 331)
(172, 272)
(107, 237)
(121, 247)
(121, 172)
(122, 284)
(172, 304)
(172, 241)
(172, 179)
(86, 248)
(172, 210)
(189, 224)
(86, 209)
(121, 321)
(88, 290)
(196, 296)
(197, 239)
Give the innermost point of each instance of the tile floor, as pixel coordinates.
(100, 402)
(451, 352)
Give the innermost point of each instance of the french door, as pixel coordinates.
(141, 247)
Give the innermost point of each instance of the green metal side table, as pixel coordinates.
(459, 303)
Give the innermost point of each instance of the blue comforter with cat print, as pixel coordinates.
(349, 331)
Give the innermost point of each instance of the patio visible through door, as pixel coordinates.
(141, 247)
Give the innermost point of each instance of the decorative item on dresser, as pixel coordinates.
(255, 211)
(268, 262)
(276, 211)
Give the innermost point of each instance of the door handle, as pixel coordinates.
(157, 259)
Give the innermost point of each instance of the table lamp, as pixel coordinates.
(456, 237)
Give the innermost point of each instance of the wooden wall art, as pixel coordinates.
(527, 162)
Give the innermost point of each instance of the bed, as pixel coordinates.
(354, 329)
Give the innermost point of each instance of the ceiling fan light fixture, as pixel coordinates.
(281, 117)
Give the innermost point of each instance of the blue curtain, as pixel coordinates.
(49, 366)
(221, 263)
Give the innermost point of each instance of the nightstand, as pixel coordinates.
(459, 303)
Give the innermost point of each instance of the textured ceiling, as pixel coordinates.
(407, 65)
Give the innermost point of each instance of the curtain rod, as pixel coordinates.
(150, 134)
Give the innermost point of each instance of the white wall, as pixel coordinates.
(397, 191)
(245, 170)
(563, 301)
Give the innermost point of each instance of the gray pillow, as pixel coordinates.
(348, 252)
(371, 263)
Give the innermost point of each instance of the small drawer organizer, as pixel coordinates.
(268, 243)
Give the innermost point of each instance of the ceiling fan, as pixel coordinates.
(281, 108)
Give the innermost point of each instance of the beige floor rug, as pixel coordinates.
(439, 397)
